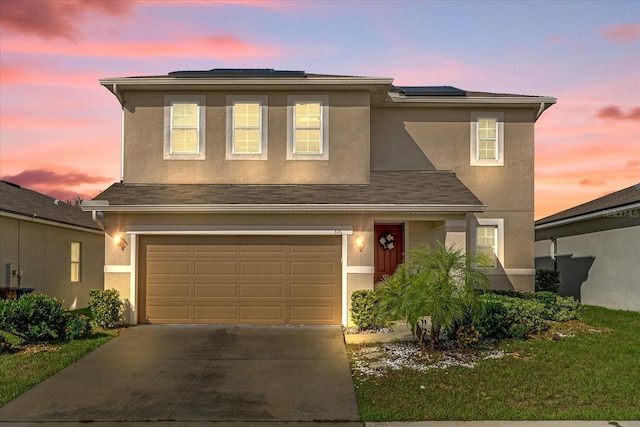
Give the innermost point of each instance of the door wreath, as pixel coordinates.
(387, 241)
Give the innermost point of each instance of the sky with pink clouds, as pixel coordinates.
(60, 130)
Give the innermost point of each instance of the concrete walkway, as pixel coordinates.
(186, 374)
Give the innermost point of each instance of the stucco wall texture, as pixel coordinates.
(43, 253)
(598, 267)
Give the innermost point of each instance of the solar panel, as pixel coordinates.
(431, 91)
(238, 72)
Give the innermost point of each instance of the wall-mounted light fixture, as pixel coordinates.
(120, 241)
(360, 243)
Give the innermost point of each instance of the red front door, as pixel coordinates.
(389, 250)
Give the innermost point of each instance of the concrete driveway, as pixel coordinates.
(180, 374)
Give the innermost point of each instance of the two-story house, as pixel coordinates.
(264, 196)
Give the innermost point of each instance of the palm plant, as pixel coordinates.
(436, 283)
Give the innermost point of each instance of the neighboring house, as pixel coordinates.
(596, 248)
(48, 245)
(262, 196)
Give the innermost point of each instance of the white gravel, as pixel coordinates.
(376, 361)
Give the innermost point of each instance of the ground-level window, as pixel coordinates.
(76, 259)
(487, 238)
(487, 243)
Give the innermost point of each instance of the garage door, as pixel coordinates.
(240, 279)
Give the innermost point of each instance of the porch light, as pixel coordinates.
(360, 243)
(120, 241)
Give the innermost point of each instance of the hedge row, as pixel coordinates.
(38, 318)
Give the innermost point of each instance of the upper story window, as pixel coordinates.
(308, 127)
(184, 127)
(247, 127)
(487, 139)
(76, 254)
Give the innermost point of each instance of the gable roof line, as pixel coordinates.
(103, 206)
(18, 202)
(608, 205)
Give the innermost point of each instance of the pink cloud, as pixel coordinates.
(38, 176)
(592, 182)
(221, 46)
(623, 33)
(61, 185)
(613, 112)
(54, 18)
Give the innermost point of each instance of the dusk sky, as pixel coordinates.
(60, 130)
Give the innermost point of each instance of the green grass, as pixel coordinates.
(33, 364)
(591, 376)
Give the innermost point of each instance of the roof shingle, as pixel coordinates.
(385, 188)
(619, 198)
(24, 202)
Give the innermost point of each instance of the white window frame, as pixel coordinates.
(264, 130)
(474, 143)
(169, 100)
(324, 127)
(498, 223)
(76, 264)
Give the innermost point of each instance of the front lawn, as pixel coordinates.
(32, 364)
(588, 371)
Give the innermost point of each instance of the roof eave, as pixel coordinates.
(601, 213)
(97, 205)
(439, 100)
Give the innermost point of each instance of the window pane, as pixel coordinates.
(75, 272)
(308, 142)
(308, 114)
(486, 149)
(75, 261)
(486, 243)
(487, 139)
(246, 141)
(185, 115)
(487, 128)
(75, 251)
(184, 141)
(246, 115)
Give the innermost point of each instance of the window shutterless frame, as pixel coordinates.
(247, 119)
(184, 127)
(76, 261)
(308, 127)
(487, 139)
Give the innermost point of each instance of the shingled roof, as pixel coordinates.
(440, 190)
(619, 199)
(28, 203)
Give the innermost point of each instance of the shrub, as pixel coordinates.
(363, 306)
(77, 326)
(33, 318)
(439, 283)
(5, 346)
(106, 307)
(547, 281)
(467, 336)
(509, 317)
(557, 308)
(566, 308)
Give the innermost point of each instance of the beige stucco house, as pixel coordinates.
(48, 245)
(596, 248)
(263, 196)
